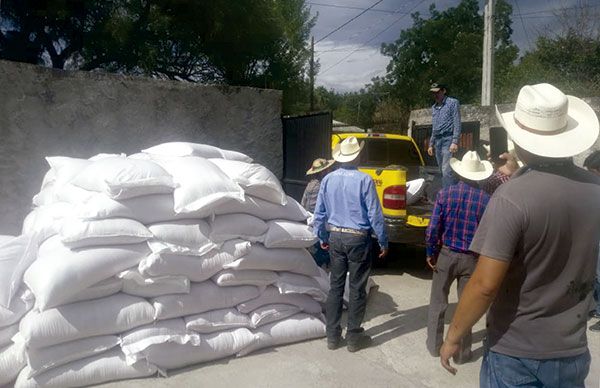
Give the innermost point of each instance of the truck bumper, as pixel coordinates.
(399, 231)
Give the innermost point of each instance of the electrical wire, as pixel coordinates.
(348, 22)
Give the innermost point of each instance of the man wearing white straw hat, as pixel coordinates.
(457, 211)
(347, 212)
(537, 244)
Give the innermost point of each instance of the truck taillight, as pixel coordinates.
(394, 197)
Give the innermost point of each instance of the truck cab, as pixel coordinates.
(393, 160)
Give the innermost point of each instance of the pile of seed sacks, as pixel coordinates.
(129, 266)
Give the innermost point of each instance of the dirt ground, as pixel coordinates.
(396, 319)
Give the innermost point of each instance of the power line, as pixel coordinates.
(522, 22)
(553, 9)
(350, 7)
(373, 38)
(348, 22)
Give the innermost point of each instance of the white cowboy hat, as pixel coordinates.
(546, 122)
(319, 165)
(471, 167)
(347, 150)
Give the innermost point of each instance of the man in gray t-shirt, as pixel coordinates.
(538, 243)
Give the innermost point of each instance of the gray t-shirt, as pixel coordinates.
(546, 223)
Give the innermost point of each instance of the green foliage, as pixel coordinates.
(260, 43)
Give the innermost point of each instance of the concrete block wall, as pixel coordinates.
(45, 112)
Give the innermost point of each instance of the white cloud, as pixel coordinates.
(353, 72)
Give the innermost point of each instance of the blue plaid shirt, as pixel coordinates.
(445, 120)
(456, 215)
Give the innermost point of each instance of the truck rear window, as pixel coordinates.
(385, 152)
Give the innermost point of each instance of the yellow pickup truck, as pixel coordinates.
(392, 160)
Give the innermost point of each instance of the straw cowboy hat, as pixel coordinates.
(347, 150)
(319, 165)
(471, 167)
(546, 122)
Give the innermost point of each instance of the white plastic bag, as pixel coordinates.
(203, 297)
(185, 237)
(264, 210)
(256, 180)
(77, 233)
(12, 361)
(120, 177)
(179, 148)
(291, 283)
(101, 289)
(60, 273)
(277, 259)
(7, 332)
(16, 254)
(272, 296)
(19, 306)
(110, 315)
(272, 313)
(217, 320)
(250, 277)
(289, 234)
(244, 226)
(46, 221)
(136, 284)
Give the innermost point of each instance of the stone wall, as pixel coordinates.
(486, 116)
(47, 112)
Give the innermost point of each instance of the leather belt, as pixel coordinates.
(348, 230)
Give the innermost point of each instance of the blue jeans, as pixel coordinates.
(348, 253)
(443, 155)
(502, 371)
(597, 286)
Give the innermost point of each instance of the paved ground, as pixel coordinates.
(396, 318)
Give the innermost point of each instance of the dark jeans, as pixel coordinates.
(502, 371)
(348, 253)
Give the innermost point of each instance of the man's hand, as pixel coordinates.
(431, 261)
(325, 246)
(430, 151)
(383, 252)
(511, 165)
(453, 147)
(448, 351)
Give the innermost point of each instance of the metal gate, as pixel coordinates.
(469, 140)
(305, 138)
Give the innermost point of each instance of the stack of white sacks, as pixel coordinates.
(133, 265)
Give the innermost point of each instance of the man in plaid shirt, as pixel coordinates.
(456, 215)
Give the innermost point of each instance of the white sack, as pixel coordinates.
(7, 332)
(272, 313)
(45, 221)
(300, 327)
(72, 194)
(179, 148)
(346, 297)
(147, 209)
(249, 277)
(101, 289)
(110, 315)
(185, 237)
(201, 184)
(97, 369)
(289, 234)
(64, 170)
(256, 180)
(212, 347)
(44, 197)
(231, 226)
(60, 273)
(277, 259)
(19, 306)
(16, 255)
(217, 320)
(291, 283)
(195, 268)
(135, 341)
(272, 296)
(41, 360)
(77, 233)
(265, 210)
(137, 284)
(12, 361)
(120, 177)
(203, 297)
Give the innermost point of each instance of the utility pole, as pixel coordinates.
(487, 70)
(312, 74)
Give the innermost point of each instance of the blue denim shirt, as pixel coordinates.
(348, 199)
(445, 120)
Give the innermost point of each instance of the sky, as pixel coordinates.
(349, 54)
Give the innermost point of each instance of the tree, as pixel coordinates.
(260, 43)
(446, 48)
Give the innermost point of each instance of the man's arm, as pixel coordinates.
(320, 216)
(478, 295)
(456, 123)
(433, 233)
(375, 214)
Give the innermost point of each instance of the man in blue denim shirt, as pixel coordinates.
(347, 211)
(445, 130)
